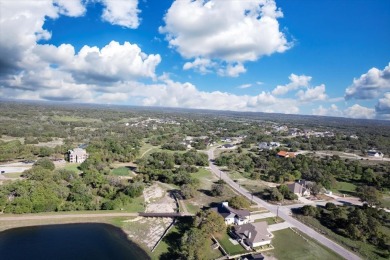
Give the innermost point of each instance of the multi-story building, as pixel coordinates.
(77, 155)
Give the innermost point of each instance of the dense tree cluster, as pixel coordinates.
(172, 168)
(46, 189)
(358, 223)
(239, 202)
(266, 165)
(194, 240)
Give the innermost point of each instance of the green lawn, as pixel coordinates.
(386, 201)
(137, 205)
(205, 177)
(228, 246)
(121, 171)
(345, 188)
(72, 167)
(271, 220)
(289, 245)
(193, 209)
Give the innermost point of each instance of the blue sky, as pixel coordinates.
(307, 57)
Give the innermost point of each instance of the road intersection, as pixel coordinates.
(282, 212)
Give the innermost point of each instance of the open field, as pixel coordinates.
(289, 245)
(386, 200)
(72, 167)
(7, 138)
(204, 198)
(121, 171)
(345, 188)
(75, 119)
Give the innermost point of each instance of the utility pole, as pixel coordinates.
(277, 213)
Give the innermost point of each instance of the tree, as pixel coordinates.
(369, 194)
(239, 202)
(193, 244)
(134, 190)
(188, 191)
(275, 195)
(308, 210)
(217, 189)
(212, 223)
(45, 163)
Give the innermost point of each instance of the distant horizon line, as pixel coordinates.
(60, 102)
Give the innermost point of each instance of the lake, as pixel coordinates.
(70, 241)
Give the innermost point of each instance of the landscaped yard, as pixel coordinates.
(72, 167)
(290, 245)
(231, 249)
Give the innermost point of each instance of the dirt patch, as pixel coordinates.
(148, 231)
(159, 200)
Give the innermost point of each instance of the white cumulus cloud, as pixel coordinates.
(333, 110)
(227, 31)
(358, 111)
(296, 82)
(383, 106)
(312, 94)
(71, 7)
(370, 85)
(121, 12)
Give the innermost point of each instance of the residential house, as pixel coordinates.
(299, 189)
(285, 154)
(232, 216)
(253, 234)
(263, 146)
(374, 153)
(77, 155)
(268, 146)
(228, 146)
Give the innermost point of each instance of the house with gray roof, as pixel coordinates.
(300, 189)
(253, 234)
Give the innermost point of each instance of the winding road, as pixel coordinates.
(281, 212)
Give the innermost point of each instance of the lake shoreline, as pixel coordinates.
(114, 221)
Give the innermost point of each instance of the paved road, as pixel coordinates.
(282, 212)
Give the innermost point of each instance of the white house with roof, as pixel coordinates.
(77, 155)
(375, 153)
(232, 216)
